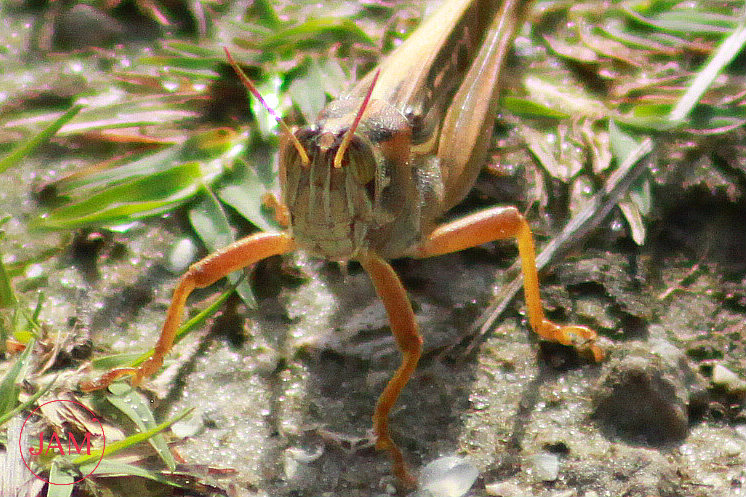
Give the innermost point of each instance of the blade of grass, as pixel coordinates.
(208, 145)
(26, 147)
(266, 14)
(211, 224)
(622, 144)
(194, 50)
(128, 201)
(307, 90)
(558, 96)
(134, 360)
(116, 360)
(116, 468)
(28, 403)
(136, 111)
(528, 108)
(135, 407)
(128, 442)
(725, 53)
(60, 481)
(9, 389)
(685, 22)
(246, 198)
(7, 295)
(314, 32)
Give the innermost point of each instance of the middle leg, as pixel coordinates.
(500, 223)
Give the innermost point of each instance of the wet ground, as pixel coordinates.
(284, 392)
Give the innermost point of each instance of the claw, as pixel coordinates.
(581, 338)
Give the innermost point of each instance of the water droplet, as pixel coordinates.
(170, 85)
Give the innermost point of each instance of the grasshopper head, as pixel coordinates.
(345, 195)
(348, 183)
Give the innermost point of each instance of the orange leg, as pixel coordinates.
(404, 327)
(235, 256)
(500, 223)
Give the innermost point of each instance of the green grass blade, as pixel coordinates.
(529, 108)
(122, 203)
(117, 360)
(26, 147)
(219, 144)
(622, 143)
(7, 295)
(29, 402)
(60, 481)
(211, 224)
(316, 32)
(135, 407)
(9, 388)
(247, 200)
(109, 468)
(266, 14)
(685, 21)
(130, 441)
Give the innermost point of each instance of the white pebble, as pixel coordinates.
(723, 376)
(189, 426)
(182, 254)
(448, 477)
(545, 466)
(505, 489)
(303, 456)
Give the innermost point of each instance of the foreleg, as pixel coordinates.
(235, 256)
(404, 327)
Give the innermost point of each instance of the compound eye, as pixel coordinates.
(363, 164)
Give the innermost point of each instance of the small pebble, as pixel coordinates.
(545, 466)
(303, 456)
(181, 256)
(724, 377)
(505, 489)
(570, 492)
(448, 477)
(290, 466)
(741, 430)
(294, 458)
(189, 426)
(85, 26)
(646, 397)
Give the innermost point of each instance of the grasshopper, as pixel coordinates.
(371, 178)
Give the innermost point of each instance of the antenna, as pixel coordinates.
(350, 132)
(252, 89)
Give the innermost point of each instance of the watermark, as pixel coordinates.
(56, 445)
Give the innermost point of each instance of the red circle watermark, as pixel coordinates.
(56, 442)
